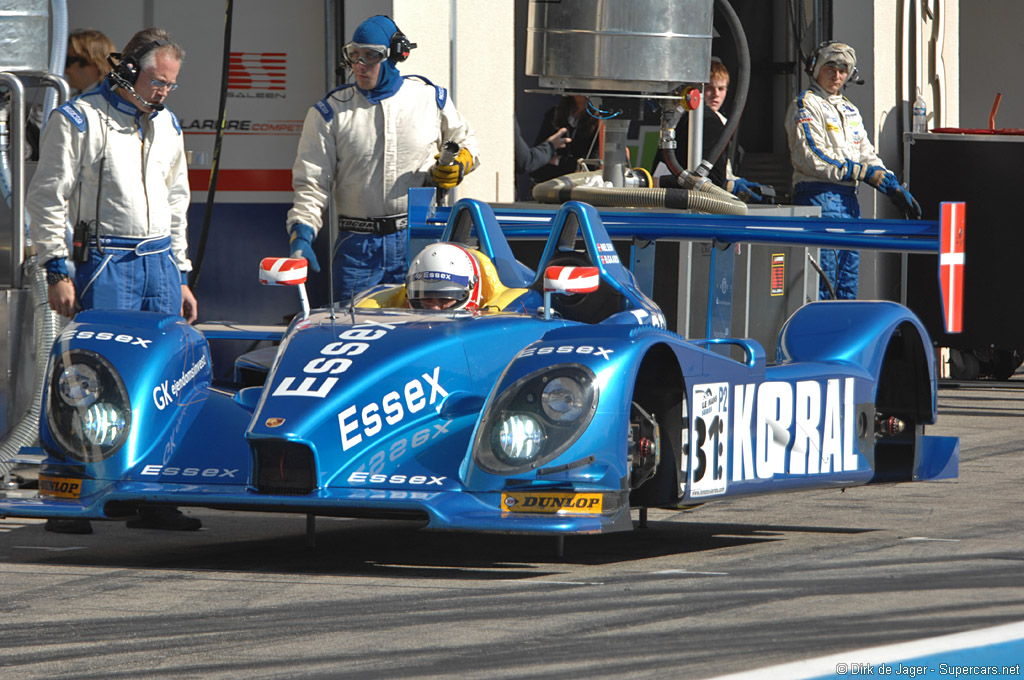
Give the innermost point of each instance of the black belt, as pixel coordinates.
(374, 225)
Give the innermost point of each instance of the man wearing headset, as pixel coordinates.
(368, 142)
(112, 164)
(831, 155)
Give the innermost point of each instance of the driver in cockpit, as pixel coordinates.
(443, 276)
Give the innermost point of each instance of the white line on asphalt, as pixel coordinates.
(827, 665)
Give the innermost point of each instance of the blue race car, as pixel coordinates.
(544, 411)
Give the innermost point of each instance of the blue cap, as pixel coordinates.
(375, 31)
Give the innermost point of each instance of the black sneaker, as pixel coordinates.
(168, 519)
(68, 526)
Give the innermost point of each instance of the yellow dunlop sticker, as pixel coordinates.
(552, 503)
(60, 487)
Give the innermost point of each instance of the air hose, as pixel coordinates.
(211, 190)
(47, 325)
(26, 431)
(735, 113)
(576, 187)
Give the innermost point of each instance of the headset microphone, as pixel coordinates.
(120, 82)
(124, 72)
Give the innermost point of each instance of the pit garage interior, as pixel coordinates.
(952, 52)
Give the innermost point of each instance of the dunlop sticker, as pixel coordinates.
(553, 503)
(60, 487)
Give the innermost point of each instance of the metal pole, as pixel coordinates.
(63, 90)
(615, 131)
(17, 160)
(695, 135)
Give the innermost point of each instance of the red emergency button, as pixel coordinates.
(691, 98)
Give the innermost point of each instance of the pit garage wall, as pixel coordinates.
(992, 29)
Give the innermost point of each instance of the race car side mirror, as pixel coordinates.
(568, 281)
(286, 271)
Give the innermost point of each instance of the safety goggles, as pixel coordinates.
(369, 55)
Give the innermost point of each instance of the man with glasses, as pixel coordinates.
(112, 164)
(366, 143)
(831, 155)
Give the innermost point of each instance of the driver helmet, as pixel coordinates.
(443, 276)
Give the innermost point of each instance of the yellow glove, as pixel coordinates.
(449, 176)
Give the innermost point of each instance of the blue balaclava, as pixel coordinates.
(378, 31)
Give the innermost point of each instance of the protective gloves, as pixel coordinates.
(875, 175)
(449, 176)
(900, 197)
(745, 190)
(301, 239)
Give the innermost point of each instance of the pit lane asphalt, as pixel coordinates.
(733, 586)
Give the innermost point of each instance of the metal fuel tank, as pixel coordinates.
(650, 46)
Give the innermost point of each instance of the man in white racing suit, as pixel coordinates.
(116, 149)
(112, 163)
(369, 142)
(831, 155)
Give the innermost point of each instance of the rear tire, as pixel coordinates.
(964, 365)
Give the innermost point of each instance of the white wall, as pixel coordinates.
(477, 69)
(992, 29)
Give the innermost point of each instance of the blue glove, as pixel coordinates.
(900, 197)
(876, 175)
(301, 238)
(745, 190)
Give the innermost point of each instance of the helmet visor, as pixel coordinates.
(438, 285)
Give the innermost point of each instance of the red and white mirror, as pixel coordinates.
(286, 271)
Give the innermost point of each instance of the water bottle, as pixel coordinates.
(920, 114)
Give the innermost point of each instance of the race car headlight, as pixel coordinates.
(88, 410)
(562, 399)
(101, 424)
(520, 437)
(78, 385)
(535, 419)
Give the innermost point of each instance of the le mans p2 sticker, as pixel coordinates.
(709, 425)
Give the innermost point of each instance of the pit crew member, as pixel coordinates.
(368, 142)
(831, 155)
(112, 164)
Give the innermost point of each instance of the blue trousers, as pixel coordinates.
(842, 267)
(128, 273)
(364, 260)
